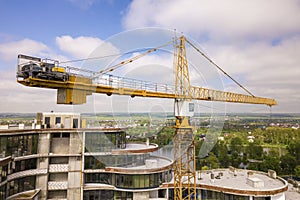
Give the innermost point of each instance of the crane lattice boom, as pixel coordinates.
(136, 88)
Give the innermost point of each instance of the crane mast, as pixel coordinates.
(184, 145)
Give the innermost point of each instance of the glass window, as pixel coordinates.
(47, 122)
(105, 178)
(136, 181)
(75, 123)
(21, 185)
(56, 135)
(57, 194)
(128, 181)
(261, 198)
(18, 145)
(3, 192)
(59, 160)
(65, 135)
(98, 195)
(142, 181)
(57, 120)
(25, 164)
(103, 142)
(91, 162)
(4, 172)
(146, 178)
(123, 195)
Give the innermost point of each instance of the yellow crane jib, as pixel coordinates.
(73, 88)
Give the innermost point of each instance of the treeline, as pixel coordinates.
(271, 148)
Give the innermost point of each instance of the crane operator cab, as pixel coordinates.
(32, 67)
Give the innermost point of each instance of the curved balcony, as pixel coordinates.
(31, 172)
(27, 195)
(136, 148)
(151, 165)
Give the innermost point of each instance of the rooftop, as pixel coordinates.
(239, 179)
(239, 182)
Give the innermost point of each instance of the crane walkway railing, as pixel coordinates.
(117, 82)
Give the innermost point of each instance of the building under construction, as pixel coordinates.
(57, 158)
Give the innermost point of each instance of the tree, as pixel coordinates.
(287, 164)
(270, 163)
(255, 151)
(212, 161)
(223, 154)
(294, 150)
(236, 147)
(297, 171)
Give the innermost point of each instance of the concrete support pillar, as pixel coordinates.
(75, 179)
(43, 163)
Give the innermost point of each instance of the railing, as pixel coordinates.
(120, 82)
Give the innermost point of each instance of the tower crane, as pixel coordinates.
(73, 87)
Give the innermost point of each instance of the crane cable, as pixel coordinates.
(93, 58)
(112, 68)
(212, 62)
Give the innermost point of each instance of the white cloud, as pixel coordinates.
(82, 47)
(79, 47)
(18, 98)
(151, 67)
(266, 70)
(10, 50)
(218, 19)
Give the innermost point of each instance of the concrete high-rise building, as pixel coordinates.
(59, 158)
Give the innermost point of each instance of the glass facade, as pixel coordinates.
(21, 185)
(136, 181)
(107, 195)
(3, 192)
(4, 172)
(18, 145)
(120, 195)
(100, 162)
(98, 195)
(104, 142)
(104, 178)
(57, 194)
(129, 181)
(25, 164)
(212, 195)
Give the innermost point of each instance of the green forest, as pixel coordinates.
(273, 148)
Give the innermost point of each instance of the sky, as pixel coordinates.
(257, 42)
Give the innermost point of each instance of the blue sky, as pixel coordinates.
(45, 20)
(256, 41)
